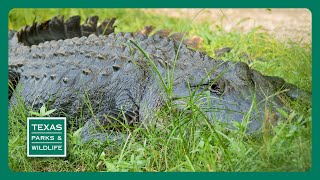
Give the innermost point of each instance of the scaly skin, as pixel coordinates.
(56, 29)
(115, 76)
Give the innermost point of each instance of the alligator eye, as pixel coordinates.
(218, 87)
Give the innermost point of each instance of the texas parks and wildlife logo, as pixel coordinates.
(46, 137)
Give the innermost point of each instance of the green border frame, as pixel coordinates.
(7, 6)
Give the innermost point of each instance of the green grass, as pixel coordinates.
(183, 143)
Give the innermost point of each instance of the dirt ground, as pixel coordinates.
(285, 24)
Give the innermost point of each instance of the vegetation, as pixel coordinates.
(186, 141)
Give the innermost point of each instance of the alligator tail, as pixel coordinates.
(57, 28)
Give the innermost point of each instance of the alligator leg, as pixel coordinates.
(105, 124)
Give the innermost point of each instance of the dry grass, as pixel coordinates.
(285, 24)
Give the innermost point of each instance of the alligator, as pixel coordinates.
(124, 76)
